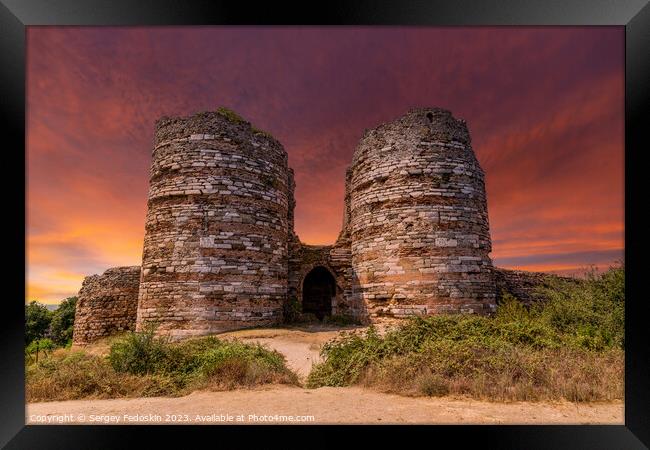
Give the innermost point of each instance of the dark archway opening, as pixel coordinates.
(318, 289)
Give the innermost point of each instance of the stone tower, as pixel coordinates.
(220, 251)
(217, 226)
(418, 222)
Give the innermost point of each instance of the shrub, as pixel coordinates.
(263, 133)
(235, 363)
(74, 375)
(139, 353)
(38, 347)
(511, 310)
(591, 313)
(37, 321)
(230, 114)
(62, 323)
(45, 344)
(503, 373)
(568, 347)
(199, 363)
(143, 365)
(346, 358)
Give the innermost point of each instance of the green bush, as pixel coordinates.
(37, 321)
(140, 353)
(546, 351)
(62, 323)
(39, 349)
(591, 313)
(74, 375)
(44, 344)
(140, 364)
(230, 114)
(502, 372)
(511, 310)
(263, 133)
(235, 363)
(198, 362)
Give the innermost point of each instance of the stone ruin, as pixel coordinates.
(220, 251)
(107, 304)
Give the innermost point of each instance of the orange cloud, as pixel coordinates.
(544, 107)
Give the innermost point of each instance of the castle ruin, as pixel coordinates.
(220, 251)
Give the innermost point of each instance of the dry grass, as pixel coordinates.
(178, 369)
(519, 375)
(71, 375)
(569, 347)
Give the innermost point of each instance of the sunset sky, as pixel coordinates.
(544, 105)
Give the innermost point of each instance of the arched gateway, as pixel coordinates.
(318, 289)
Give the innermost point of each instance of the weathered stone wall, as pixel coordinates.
(337, 260)
(106, 304)
(303, 258)
(418, 219)
(291, 205)
(215, 248)
(220, 251)
(522, 284)
(340, 260)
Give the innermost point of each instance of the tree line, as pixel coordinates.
(47, 329)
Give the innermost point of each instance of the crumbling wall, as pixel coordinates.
(304, 258)
(523, 284)
(340, 260)
(336, 258)
(418, 220)
(106, 304)
(218, 221)
(220, 251)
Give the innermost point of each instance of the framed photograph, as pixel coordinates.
(423, 216)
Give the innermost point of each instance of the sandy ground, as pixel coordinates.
(285, 404)
(323, 405)
(300, 346)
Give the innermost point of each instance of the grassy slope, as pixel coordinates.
(570, 347)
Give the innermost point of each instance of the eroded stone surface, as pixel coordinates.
(217, 227)
(523, 284)
(106, 304)
(220, 251)
(418, 220)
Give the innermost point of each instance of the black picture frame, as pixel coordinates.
(634, 15)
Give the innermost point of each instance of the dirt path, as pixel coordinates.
(300, 346)
(324, 405)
